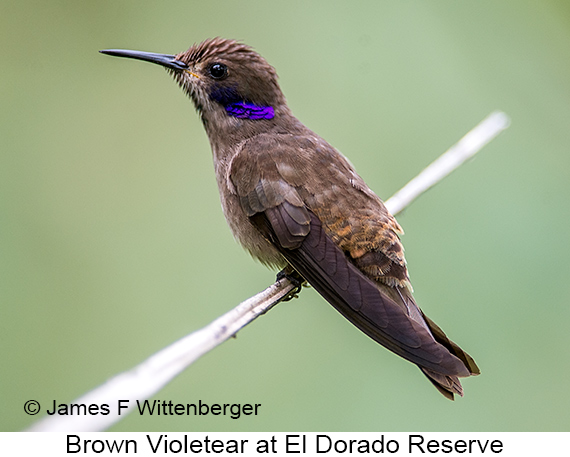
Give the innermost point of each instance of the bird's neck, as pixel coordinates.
(244, 110)
(229, 126)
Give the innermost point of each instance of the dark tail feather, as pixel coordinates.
(442, 339)
(447, 385)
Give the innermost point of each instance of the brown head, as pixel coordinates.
(226, 80)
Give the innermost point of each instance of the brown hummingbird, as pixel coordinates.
(295, 202)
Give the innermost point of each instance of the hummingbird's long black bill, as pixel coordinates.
(166, 60)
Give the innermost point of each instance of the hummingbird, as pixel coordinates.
(296, 203)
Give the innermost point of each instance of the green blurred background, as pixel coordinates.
(113, 244)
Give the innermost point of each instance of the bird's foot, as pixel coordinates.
(295, 278)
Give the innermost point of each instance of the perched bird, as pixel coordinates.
(294, 201)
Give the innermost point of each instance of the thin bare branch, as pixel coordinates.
(464, 149)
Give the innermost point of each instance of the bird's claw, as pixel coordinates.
(295, 278)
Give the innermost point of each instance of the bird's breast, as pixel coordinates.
(246, 234)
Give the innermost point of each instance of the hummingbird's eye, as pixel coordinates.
(218, 71)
